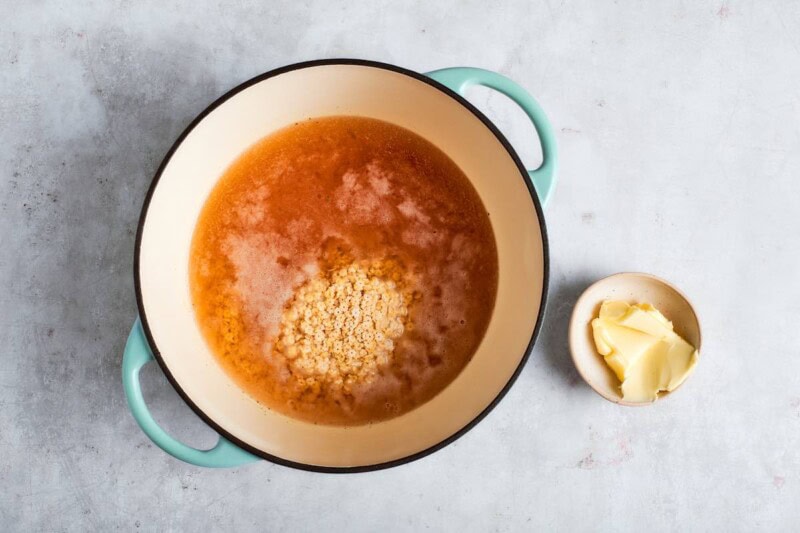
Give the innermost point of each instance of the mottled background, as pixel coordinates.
(679, 133)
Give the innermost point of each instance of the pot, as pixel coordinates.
(431, 105)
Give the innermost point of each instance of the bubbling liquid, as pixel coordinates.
(333, 195)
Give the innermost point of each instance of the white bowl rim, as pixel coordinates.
(573, 326)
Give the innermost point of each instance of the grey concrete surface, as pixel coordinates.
(679, 132)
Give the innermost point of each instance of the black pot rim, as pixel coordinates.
(208, 420)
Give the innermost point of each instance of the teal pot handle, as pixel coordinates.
(458, 79)
(137, 354)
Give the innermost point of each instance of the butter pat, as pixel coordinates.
(640, 346)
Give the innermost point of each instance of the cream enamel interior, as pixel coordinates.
(258, 111)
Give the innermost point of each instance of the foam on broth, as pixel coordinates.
(334, 189)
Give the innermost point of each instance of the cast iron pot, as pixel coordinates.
(431, 105)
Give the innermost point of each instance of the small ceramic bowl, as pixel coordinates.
(631, 287)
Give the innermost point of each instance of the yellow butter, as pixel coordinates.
(639, 344)
(622, 347)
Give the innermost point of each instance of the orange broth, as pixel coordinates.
(326, 191)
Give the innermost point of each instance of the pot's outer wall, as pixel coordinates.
(245, 115)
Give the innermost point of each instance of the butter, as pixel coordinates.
(640, 346)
